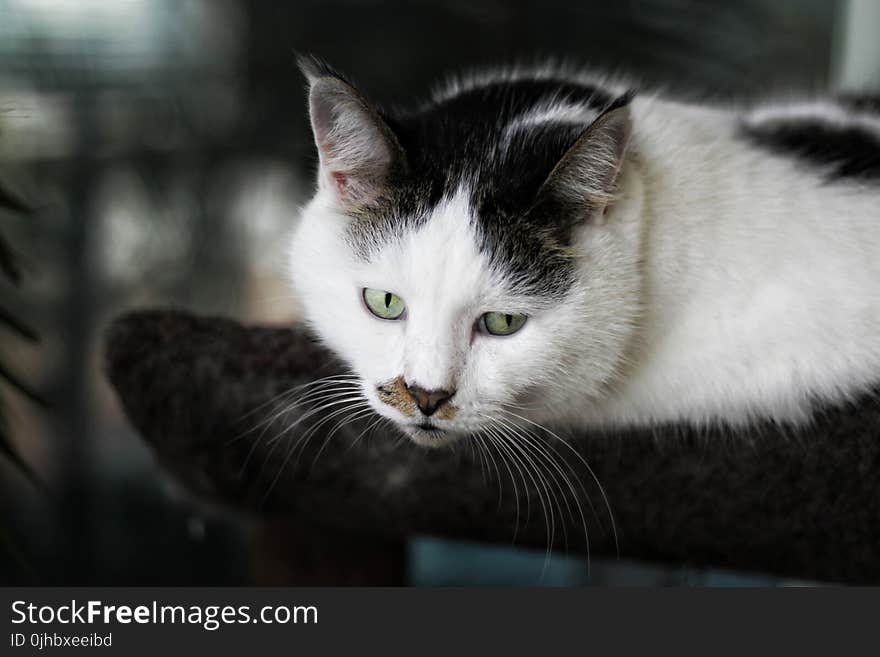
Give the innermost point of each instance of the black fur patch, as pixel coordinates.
(465, 140)
(843, 151)
(861, 103)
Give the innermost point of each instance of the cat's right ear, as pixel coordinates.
(358, 151)
(583, 182)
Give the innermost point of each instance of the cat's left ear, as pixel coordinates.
(584, 179)
(358, 151)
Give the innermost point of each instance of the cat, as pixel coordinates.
(543, 246)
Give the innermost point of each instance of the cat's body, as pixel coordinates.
(761, 277)
(670, 262)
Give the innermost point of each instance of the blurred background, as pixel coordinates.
(163, 147)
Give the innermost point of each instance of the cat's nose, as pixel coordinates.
(428, 401)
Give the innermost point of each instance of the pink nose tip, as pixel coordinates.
(428, 401)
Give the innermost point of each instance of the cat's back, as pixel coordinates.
(763, 227)
(839, 135)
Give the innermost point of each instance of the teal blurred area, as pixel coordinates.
(441, 562)
(438, 562)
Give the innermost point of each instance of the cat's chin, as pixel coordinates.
(430, 438)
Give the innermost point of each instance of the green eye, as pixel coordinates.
(385, 305)
(502, 323)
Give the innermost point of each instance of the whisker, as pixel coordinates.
(329, 400)
(288, 405)
(551, 485)
(531, 442)
(295, 389)
(515, 494)
(497, 477)
(369, 428)
(275, 440)
(364, 411)
(586, 465)
(312, 431)
(504, 443)
(521, 474)
(329, 394)
(484, 463)
(301, 443)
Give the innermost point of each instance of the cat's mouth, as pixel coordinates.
(428, 434)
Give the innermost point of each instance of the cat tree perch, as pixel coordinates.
(199, 390)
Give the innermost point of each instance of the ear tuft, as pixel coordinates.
(313, 67)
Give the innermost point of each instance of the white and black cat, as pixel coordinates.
(539, 246)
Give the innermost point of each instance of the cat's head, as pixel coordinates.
(460, 258)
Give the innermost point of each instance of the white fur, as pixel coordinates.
(762, 281)
(827, 112)
(726, 284)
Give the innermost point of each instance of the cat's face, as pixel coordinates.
(435, 288)
(456, 314)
